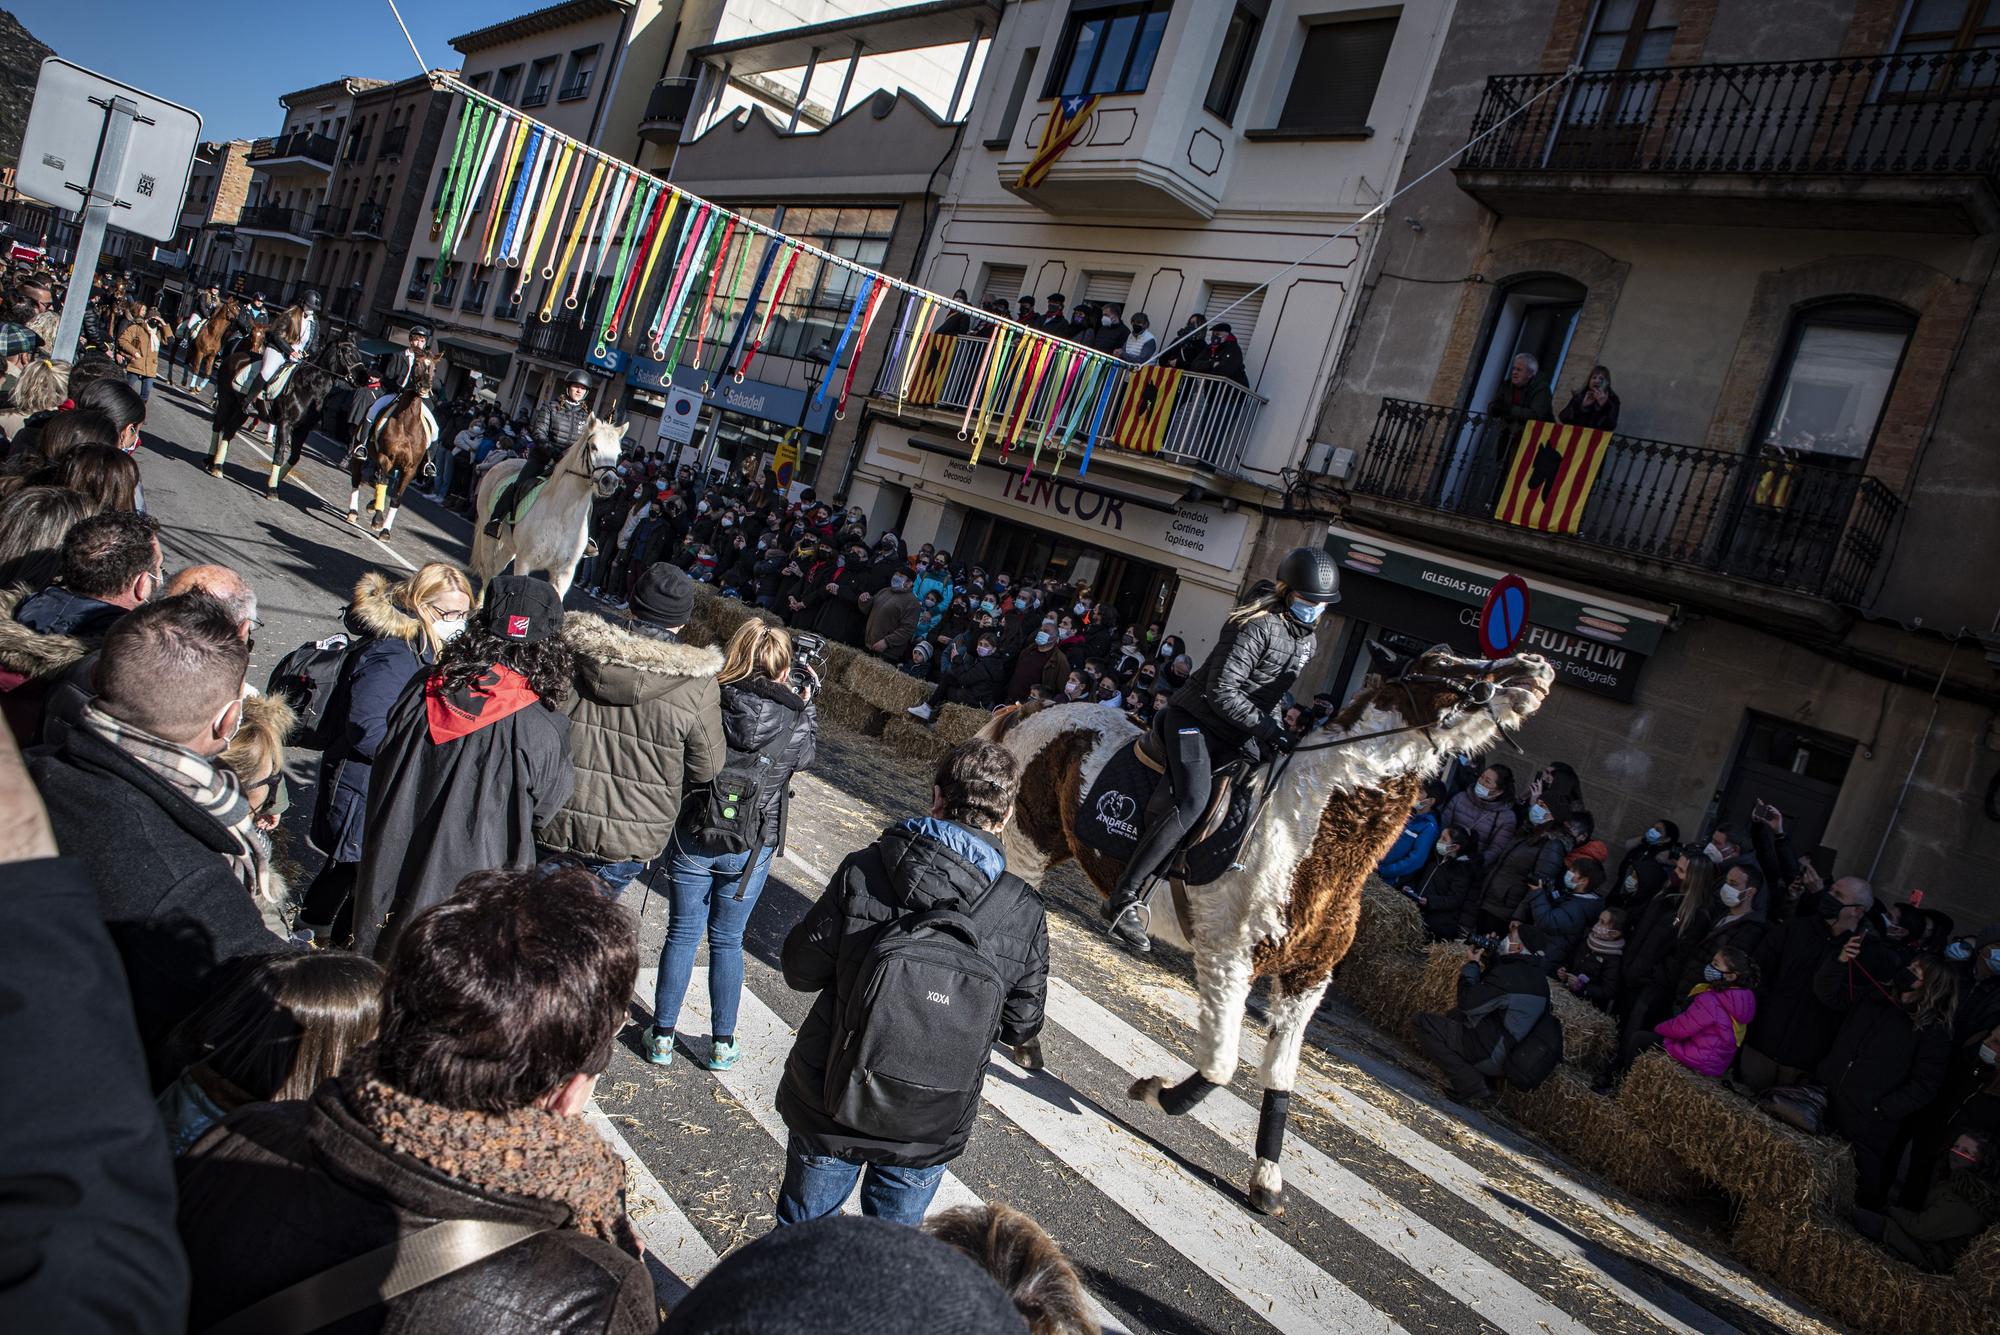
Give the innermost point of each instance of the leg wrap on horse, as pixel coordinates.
(381, 495)
(1271, 1123)
(1177, 1099)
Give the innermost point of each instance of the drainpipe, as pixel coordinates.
(1903, 793)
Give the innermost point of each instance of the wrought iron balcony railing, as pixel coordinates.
(367, 220)
(1933, 113)
(271, 218)
(561, 340)
(1209, 425)
(298, 144)
(330, 220)
(393, 140)
(1817, 528)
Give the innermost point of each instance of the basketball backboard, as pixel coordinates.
(65, 127)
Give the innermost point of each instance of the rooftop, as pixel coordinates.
(547, 19)
(404, 87)
(908, 28)
(345, 87)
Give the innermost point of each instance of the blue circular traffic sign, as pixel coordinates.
(1505, 616)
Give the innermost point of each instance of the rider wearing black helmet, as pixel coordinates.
(1227, 708)
(292, 337)
(556, 426)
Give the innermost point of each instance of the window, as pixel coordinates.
(1099, 287)
(1941, 26)
(478, 81)
(1334, 84)
(1232, 62)
(1003, 282)
(1108, 48)
(420, 278)
(541, 75)
(1834, 380)
(1242, 321)
(1004, 131)
(505, 82)
(476, 288)
(582, 64)
(508, 307)
(1631, 34)
(448, 284)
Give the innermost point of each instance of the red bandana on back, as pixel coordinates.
(502, 691)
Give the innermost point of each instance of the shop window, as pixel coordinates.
(1333, 86)
(1834, 379)
(1232, 61)
(1934, 27)
(1108, 48)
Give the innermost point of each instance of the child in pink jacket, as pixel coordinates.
(1705, 1036)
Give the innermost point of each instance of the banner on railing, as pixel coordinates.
(927, 380)
(1554, 468)
(1148, 406)
(1066, 121)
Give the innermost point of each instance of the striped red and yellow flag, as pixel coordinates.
(1067, 118)
(1555, 467)
(928, 382)
(1145, 409)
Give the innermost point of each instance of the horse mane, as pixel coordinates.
(1009, 717)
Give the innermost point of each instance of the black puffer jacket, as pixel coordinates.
(755, 713)
(1533, 856)
(1234, 694)
(1793, 1026)
(914, 867)
(1881, 1067)
(558, 423)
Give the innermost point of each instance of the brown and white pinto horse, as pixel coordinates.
(395, 450)
(1288, 909)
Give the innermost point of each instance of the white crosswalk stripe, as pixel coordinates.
(673, 1243)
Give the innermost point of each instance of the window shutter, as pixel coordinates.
(1100, 287)
(1334, 85)
(1242, 321)
(1003, 283)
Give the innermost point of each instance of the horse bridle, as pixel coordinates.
(1472, 690)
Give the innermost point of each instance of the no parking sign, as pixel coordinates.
(677, 422)
(1504, 616)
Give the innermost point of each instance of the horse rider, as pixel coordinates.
(208, 301)
(1226, 710)
(557, 425)
(292, 337)
(400, 375)
(241, 329)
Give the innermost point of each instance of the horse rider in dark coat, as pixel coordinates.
(1227, 709)
(249, 316)
(398, 375)
(556, 426)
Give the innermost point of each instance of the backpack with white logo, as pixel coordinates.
(915, 1033)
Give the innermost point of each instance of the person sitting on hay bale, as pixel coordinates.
(1706, 1036)
(1963, 1207)
(1503, 995)
(1446, 888)
(1596, 962)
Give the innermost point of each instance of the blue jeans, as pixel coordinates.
(816, 1186)
(615, 875)
(702, 899)
(447, 463)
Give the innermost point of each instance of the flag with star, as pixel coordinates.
(1066, 121)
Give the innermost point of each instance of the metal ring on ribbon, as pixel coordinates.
(599, 350)
(739, 377)
(963, 435)
(543, 316)
(569, 302)
(840, 414)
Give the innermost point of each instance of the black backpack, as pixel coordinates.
(725, 815)
(308, 679)
(913, 1040)
(1535, 1057)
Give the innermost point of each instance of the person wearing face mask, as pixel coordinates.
(974, 680)
(399, 629)
(1975, 1032)
(1178, 671)
(933, 575)
(1444, 885)
(1040, 662)
(1503, 992)
(1227, 708)
(1740, 925)
(1558, 917)
(893, 615)
(1171, 647)
(1485, 812)
(1597, 960)
(1705, 1036)
(1643, 848)
(1794, 1028)
(1530, 862)
(1412, 849)
(1889, 1057)
(1935, 1233)
(1140, 343)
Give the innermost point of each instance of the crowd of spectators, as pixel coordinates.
(1197, 346)
(1834, 1007)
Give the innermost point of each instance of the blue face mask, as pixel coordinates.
(1958, 951)
(1711, 973)
(1041, 637)
(1538, 813)
(1305, 611)
(1654, 836)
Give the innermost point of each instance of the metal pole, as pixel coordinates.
(118, 116)
(964, 69)
(805, 86)
(847, 80)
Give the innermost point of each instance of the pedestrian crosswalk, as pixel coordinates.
(1400, 1221)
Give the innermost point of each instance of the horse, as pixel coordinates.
(206, 345)
(295, 406)
(393, 446)
(554, 532)
(1288, 908)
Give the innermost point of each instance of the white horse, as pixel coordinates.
(553, 534)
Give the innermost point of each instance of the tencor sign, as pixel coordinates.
(67, 132)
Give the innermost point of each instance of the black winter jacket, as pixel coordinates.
(1533, 856)
(1793, 1027)
(1881, 1067)
(755, 712)
(1234, 694)
(1449, 891)
(389, 651)
(1599, 971)
(1559, 921)
(558, 423)
(1500, 995)
(913, 867)
(1648, 949)
(1694, 954)
(975, 681)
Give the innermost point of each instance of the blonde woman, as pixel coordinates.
(400, 630)
(41, 388)
(771, 731)
(256, 756)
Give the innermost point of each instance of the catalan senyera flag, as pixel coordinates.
(928, 382)
(1554, 468)
(1066, 120)
(1144, 409)
(785, 459)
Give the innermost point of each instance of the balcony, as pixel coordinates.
(574, 89)
(367, 220)
(1116, 167)
(271, 220)
(560, 340)
(1897, 142)
(535, 97)
(667, 110)
(300, 147)
(1790, 536)
(1208, 429)
(393, 140)
(330, 221)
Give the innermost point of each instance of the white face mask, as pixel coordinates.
(1081, 608)
(447, 631)
(1987, 1054)
(1108, 320)
(1072, 690)
(1731, 896)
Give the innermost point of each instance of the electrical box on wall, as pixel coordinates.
(1329, 460)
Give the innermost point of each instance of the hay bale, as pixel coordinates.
(1725, 1140)
(1380, 986)
(1599, 1134)
(907, 737)
(1437, 987)
(958, 723)
(1826, 1262)
(1978, 1268)
(1390, 923)
(836, 661)
(882, 686)
(841, 708)
(1590, 1037)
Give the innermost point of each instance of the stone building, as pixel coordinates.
(288, 185)
(1775, 227)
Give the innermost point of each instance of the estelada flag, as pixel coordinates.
(1145, 408)
(1555, 467)
(928, 382)
(785, 459)
(1066, 120)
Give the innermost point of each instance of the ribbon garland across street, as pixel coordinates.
(598, 231)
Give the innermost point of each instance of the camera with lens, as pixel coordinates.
(808, 650)
(1489, 942)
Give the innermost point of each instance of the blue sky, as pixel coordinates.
(230, 59)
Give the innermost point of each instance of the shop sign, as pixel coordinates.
(677, 419)
(761, 399)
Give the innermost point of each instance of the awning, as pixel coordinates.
(472, 357)
(378, 347)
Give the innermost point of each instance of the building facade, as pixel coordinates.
(218, 185)
(288, 186)
(1230, 146)
(1775, 228)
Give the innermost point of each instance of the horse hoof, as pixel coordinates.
(353, 518)
(1147, 1090)
(271, 493)
(213, 471)
(1267, 1188)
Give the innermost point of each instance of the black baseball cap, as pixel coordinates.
(523, 609)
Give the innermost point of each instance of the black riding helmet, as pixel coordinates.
(310, 301)
(578, 377)
(1310, 574)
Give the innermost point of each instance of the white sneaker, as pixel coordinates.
(921, 711)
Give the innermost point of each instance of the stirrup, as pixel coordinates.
(1132, 927)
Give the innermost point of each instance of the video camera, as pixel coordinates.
(808, 650)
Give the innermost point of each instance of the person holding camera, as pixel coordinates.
(645, 729)
(1503, 993)
(732, 827)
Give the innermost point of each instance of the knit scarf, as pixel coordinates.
(527, 1152)
(1606, 945)
(205, 784)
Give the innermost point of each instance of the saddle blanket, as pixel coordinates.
(529, 495)
(240, 382)
(381, 405)
(1114, 812)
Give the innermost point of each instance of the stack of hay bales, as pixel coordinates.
(1566, 1112)
(1385, 964)
(882, 686)
(1827, 1261)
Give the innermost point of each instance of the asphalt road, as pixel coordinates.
(1405, 1212)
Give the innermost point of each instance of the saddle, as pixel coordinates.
(247, 372)
(525, 500)
(1135, 777)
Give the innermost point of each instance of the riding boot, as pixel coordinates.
(1126, 923)
(503, 508)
